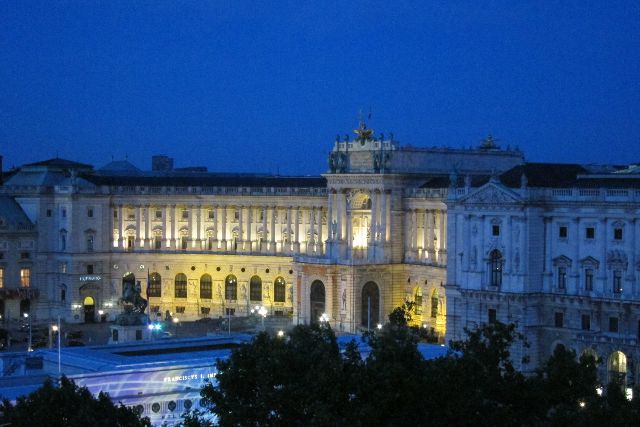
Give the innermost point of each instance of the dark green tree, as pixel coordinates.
(68, 406)
(296, 380)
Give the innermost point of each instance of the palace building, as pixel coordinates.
(469, 235)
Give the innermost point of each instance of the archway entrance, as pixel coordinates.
(317, 301)
(370, 308)
(89, 310)
(617, 367)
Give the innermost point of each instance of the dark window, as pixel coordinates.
(180, 309)
(588, 279)
(89, 243)
(617, 233)
(48, 212)
(205, 286)
(157, 242)
(418, 304)
(495, 230)
(155, 285)
(89, 268)
(590, 233)
(613, 324)
(181, 286)
(115, 213)
(279, 289)
(491, 315)
(64, 213)
(231, 287)
(211, 243)
(255, 289)
(230, 311)
(586, 322)
(90, 213)
(211, 214)
(158, 214)
(434, 306)
(183, 243)
(559, 319)
(138, 334)
(562, 277)
(185, 214)
(562, 232)
(617, 281)
(496, 267)
(205, 310)
(25, 255)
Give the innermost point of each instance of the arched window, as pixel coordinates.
(434, 304)
(181, 286)
(370, 308)
(279, 290)
(205, 286)
(317, 300)
(255, 289)
(231, 287)
(495, 264)
(155, 285)
(617, 368)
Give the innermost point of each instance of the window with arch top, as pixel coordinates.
(206, 286)
(495, 265)
(255, 288)
(279, 288)
(231, 287)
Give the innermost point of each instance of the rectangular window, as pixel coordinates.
(562, 277)
(617, 281)
(64, 213)
(49, 212)
(115, 213)
(205, 310)
(157, 242)
(588, 279)
(230, 311)
(25, 255)
(180, 309)
(158, 214)
(495, 230)
(559, 319)
(491, 315)
(211, 214)
(586, 322)
(183, 243)
(90, 244)
(590, 233)
(181, 289)
(562, 232)
(89, 268)
(130, 243)
(185, 214)
(90, 213)
(1, 277)
(613, 324)
(25, 277)
(617, 233)
(236, 215)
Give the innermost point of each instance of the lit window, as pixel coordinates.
(1, 277)
(181, 286)
(279, 290)
(25, 277)
(155, 285)
(231, 288)
(205, 286)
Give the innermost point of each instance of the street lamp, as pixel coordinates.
(26, 316)
(262, 311)
(175, 322)
(324, 318)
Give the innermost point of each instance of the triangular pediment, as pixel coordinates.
(492, 194)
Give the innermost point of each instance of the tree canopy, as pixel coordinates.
(68, 405)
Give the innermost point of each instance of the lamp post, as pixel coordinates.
(56, 328)
(261, 311)
(324, 318)
(175, 322)
(26, 316)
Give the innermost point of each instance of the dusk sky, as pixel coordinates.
(266, 86)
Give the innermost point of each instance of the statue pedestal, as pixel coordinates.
(128, 333)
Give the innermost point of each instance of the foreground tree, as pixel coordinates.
(274, 381)
(68, 406)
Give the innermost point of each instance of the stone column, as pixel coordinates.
(340, 214)
(223, 227)
(603, 266)
(296, 242)
(575, 261)
(289, 228)
(320, 242)
(249, 245)
(383, 215)
(121, 227)
(240, 241)
(311, 240)
(330, 215)
(147, 227)
(168, 231)
(273, 229)
(430, 235)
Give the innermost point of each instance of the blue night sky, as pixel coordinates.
(266, 86)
